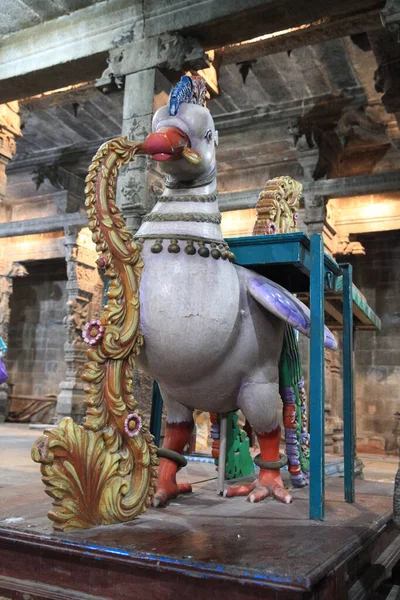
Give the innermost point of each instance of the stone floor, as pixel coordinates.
(191, 535)
(17, 467)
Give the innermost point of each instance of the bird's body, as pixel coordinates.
(205, 336)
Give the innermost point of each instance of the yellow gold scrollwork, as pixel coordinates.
(105, 471)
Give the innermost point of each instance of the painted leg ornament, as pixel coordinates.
(177, 435)
(294, 399)
(269, 482)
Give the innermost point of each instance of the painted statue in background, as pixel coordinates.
(212, 334)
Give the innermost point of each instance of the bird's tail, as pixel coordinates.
(291, 389)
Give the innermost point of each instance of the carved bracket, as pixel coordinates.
(357, 122)
(313, 148)
(390, 16)
(171, 52)
(385, 46)
(345, 246)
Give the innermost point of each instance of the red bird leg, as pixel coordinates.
(269, 482)
(177, 435)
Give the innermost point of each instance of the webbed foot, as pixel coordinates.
(268, 483)
(169, 491)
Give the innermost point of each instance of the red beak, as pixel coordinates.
(166, 144)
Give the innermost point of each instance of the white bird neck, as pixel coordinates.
(185, 211)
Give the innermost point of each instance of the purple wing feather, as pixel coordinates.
(284, 305)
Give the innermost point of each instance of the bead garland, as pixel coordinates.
(216, 250)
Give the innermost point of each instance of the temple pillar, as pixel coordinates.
(85, 300)
(9, 130)
(318, 219)
(139, 181)
(333, 403)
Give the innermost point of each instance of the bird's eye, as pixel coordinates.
(209, 135)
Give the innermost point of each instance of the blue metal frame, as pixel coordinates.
(282, 249)
(317, 380)
(348, 384)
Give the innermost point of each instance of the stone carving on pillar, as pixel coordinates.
(9, 130)
(177, 53)
(333, 403)
(84, 289)
(108, 82)
(345, 246)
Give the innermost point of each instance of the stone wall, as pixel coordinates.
(377, 354)
(35, 358)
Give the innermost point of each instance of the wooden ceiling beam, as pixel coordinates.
(319, 31)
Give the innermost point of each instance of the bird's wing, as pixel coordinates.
(284, 305)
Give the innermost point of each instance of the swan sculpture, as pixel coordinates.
(213, 331)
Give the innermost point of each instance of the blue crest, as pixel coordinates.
(182, 93)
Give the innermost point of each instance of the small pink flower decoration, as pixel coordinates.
(102, 262)
(295, 218)
(93, 332)
(271, 228)
(133, 424)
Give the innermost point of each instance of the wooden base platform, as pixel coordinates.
(200, 546)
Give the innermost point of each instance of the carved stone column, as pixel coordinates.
(134, 192)
(333, 403)
(315, 156)
(317, 219)
(85, 294)
(337, 403)
(9, 130)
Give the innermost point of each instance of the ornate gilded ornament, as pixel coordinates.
(105, 471)
(277, 206)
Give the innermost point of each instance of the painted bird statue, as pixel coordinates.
(213, 331)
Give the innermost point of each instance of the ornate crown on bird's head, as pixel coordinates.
(189, 90)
